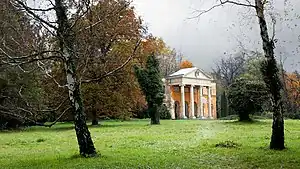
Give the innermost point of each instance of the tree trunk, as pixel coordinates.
(244, 117)
(155, 115)
(224, 105)
(277, 138)
(271, 77)
(95, 120)
(67, 47)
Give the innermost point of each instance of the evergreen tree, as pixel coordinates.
(247, 97)
(150, 82)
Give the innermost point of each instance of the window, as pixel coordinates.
(186, 90)
(176, 89)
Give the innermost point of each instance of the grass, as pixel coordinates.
(135, 144)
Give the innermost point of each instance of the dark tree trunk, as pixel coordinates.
(277, 138)
(95, 120)
(271, 77)
(244, 117)
(154, 115)
(67, 46)
(224, 105)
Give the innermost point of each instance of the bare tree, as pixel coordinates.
(64, 51)
(269, 69)
(228, 68)
(169, 63)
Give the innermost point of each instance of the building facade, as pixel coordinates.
(190, 93)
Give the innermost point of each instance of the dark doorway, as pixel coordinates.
(186, 109)
(177, 109)
(196, 109)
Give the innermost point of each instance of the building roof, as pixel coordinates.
(190, 72)
(183, 72)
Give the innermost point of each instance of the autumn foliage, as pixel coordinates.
(293, 88)
(186, 64)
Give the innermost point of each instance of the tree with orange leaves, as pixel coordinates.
(292, 82)
(186, 64)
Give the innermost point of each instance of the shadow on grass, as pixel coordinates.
(63, 127)
(78, 156)
(252, 122)
(111, 125)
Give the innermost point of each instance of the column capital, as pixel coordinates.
(181, 84)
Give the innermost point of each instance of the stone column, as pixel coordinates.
(209, 103)
(198, 104)
(172, 109)
(182, 101)
(170, 101)
(192, 102)
(201, 103)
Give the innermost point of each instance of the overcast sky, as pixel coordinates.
(207, 38)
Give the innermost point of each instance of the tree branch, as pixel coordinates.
(55, 109)
(60, 116)
(47, 74)
(29, 11)
(274, 27)
(10, 113)
(238, 3)
(40, 9)
(118, 68)
(18, 61)
(79, 16)
(101, 20)
(201, 12)
(29, 56)
(28, 105)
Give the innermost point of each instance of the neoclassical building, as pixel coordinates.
(190, 93)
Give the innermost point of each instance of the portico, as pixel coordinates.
(191, 93)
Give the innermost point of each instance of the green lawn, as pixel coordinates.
(135, 144)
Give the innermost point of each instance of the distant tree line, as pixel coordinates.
(241, 89)
(32, 88)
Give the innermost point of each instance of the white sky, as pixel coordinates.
(206, 39)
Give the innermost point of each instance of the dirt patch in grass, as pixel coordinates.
(228, 144)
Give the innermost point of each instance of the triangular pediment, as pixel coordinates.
(198, 74)
(193, 72)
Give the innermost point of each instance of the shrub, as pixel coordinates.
(230, 117)
(40, 140)
(164, 112)
(247, 97)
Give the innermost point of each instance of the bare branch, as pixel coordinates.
(51, 2)
(79, 16)
(31, 55)
(22, 97)
(238, 3)
(55, 109)
(50, 76)
(118, 68)
(85, 65)
(41, 10)
(274, 27)
(10, 113)
(201, 12)
(29, 11)
(47, 110)
(18, 61)
(102, 19)
(60, 116)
